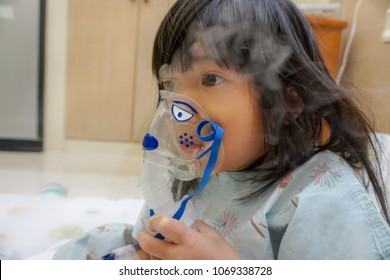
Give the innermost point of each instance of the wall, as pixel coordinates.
(55, 74)
(369, 60)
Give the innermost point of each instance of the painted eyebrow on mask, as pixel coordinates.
(188, 105)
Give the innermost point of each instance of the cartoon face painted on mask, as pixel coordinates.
(182, 135)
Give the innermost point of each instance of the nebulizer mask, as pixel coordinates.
(181, 143)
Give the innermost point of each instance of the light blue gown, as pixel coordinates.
(319, 211)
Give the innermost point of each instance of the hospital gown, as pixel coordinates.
(319, 211)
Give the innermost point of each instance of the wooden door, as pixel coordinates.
(146, 91)
(101, 57)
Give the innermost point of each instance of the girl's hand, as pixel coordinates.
(142, 255)
(185, 243)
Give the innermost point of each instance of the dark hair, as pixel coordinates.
(272, 43)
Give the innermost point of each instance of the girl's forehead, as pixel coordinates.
(198, 50)
(196, 54)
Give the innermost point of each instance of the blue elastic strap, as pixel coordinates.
(216, 135)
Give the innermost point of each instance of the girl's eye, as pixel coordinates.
(169, 85)
(211, 80)
(180, 114)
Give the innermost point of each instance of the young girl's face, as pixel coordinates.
(228, 100)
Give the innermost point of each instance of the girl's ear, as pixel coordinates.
(294, 105)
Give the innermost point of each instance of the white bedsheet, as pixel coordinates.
(31, 224)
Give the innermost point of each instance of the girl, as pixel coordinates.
(298, 152)
(298, 155)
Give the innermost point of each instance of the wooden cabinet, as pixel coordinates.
(328, 33)
(111, 94)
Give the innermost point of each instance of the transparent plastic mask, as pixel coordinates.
(176, 137)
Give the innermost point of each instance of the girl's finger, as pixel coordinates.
(171, 229)
(153, 246)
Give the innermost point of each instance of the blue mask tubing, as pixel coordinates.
(216, 135)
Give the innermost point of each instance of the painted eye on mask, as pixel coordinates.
(180, 114)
